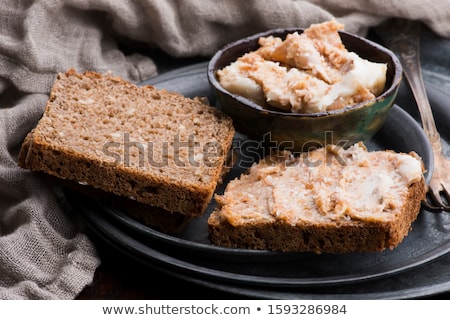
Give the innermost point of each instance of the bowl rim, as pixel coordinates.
(211, 74)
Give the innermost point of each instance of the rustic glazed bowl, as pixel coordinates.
(299, 132)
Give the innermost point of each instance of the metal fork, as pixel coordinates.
(403, 37)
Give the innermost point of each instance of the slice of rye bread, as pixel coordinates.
(327, 201)
(152, 146)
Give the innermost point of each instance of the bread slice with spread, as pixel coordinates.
(330, 200)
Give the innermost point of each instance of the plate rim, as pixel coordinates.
(258, 292)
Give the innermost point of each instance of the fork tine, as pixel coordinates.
(446, 197)
(434, 201)
(431, 207)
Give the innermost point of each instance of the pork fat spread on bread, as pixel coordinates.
(328, 200)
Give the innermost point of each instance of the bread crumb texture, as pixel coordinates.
(154, 146)
(328, 200)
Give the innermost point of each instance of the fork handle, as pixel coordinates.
(409, 55)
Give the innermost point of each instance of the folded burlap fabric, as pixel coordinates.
(44, 253)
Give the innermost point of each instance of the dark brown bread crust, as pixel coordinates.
(344, 237)
(67, 142)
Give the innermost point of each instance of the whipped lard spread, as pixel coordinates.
(329, 184)
(305, 73)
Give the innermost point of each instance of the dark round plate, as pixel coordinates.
(425, 281)
(429, 238)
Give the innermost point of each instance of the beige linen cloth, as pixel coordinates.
(44, 253)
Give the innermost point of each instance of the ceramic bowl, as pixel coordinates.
(299, 132)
